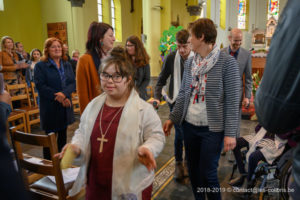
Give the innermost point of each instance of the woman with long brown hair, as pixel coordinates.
(139, 58)
(55, 82)
(100, 41)
(35, 57)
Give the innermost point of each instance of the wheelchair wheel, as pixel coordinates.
(285, 178)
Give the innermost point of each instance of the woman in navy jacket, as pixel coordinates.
(55, 82)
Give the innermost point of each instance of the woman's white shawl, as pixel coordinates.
(139, 126)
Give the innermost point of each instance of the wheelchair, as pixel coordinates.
(266, 173)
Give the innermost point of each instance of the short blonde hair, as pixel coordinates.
(3, 39)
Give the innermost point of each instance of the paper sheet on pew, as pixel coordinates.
(69, 175)
(34, 160)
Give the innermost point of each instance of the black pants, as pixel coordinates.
(254, 158)
(61, 137)
(203, 149)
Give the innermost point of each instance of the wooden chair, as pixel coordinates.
(35, 174)
(75, 102)
(31, 111)
(34, 95)
(16, 119)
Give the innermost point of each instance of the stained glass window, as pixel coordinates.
(242, 14)
(273, 9)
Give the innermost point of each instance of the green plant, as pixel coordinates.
(168, 41)
(256, 81)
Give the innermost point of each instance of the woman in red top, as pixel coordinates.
(118, 137)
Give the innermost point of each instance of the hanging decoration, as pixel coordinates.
(168, 41)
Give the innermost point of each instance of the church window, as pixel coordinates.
(113, 16)
(100, 11)
(273, 9)
(242, 14)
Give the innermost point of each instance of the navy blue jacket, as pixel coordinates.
(11, 184)
(222, 96)
(54, 117)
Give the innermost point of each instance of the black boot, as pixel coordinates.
(239, 181)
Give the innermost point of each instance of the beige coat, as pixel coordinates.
(139, 126)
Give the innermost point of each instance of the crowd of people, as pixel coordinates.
(120, 134)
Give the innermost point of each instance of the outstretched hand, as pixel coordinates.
(146, 158)
(74, 147)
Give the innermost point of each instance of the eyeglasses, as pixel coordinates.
(117, 78)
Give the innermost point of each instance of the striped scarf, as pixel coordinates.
(200, 68)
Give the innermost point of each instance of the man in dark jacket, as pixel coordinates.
(22, 55)
(277, 101)
(173, 68)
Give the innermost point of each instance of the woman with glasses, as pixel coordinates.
(54, 80)
(100, 41)
(140, 60)
(119, 136)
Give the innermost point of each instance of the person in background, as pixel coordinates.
(54, 80)
(244, 60)
(173, 68)
(74, 60)
(139, 58)
(66, 50)
(264, 146)
(207, 107)
(11, 68)
(118, 138)
(11, 184)
(100, 41)
(35, 57)
(22, 55)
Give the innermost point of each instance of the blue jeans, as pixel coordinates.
(203, 149)
(178, 140)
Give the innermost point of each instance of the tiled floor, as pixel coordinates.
(182, 190)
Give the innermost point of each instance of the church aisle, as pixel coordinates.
(164, 186)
